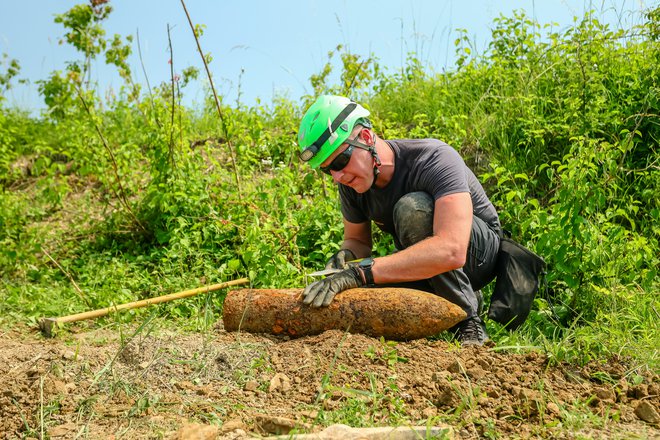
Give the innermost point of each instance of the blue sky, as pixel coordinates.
(271, 47)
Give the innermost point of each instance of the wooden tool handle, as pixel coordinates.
(146, 302)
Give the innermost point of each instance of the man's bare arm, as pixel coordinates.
(357, 238)
(446, 250)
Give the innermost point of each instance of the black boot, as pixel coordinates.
(472, 331)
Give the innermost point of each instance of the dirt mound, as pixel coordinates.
(155, 384)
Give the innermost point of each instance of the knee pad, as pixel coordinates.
(413, 218)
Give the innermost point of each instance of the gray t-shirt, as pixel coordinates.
(427, 165)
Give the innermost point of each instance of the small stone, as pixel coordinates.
(456, 367)
(429, 412)
(251, 385)
(331, 405)
(553, 408)
(310, 414)
(56, 387)
(232, 425)
(275, 425)
(69, 355)
(280, 382)
(144, 365)
(505, 411)
(205, 390)
(239, 434)
(196, 431)
(476, 373)
(647, 412)
(338, 431)
(483, 363)
(333, 432)
(441, 376)
(34, 372)
(493, 393)
(606, 394)
(446, 396)
(641, 391)
(517, 391)
(185, 385)
(531, 395)
(65, 430)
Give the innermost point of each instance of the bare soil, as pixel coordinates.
(109, 384)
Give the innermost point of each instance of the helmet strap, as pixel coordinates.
(377, 162)
(374, 155)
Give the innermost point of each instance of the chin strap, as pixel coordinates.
(374, 155)
(377, 163)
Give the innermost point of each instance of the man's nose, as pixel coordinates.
(336, 175)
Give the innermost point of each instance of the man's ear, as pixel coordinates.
(367, 135)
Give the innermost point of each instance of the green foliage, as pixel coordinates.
(85, 32)
(59, 94)
(135, 196)
(10, 72)
(118, 55)
(356, 74)
(386, 353)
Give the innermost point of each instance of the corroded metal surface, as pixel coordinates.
(394, 313)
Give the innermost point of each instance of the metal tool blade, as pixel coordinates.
(320, 273)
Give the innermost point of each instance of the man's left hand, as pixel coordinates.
(321, 293)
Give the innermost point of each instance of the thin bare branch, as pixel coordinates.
(68, 275)
(146, 77)
(121, 195)
(349, 86)
(217, 101)
(171, 146)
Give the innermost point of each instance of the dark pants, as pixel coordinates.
(413, 222)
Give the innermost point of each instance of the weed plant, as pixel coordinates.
(109, 201)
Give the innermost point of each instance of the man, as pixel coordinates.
(421, 192)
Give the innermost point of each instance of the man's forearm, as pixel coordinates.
(359, 248)
(423, 260)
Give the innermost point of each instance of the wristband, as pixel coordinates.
(365, 265)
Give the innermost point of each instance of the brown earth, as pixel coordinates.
(98, 384)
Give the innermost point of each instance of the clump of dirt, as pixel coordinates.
(238, 384)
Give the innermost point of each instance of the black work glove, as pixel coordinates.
(321, 293)
(340, 259)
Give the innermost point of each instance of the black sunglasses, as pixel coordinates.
(340, 161)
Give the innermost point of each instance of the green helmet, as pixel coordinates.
(326, 125)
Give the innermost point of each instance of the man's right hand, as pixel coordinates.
(321, 292)
(340, 259)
